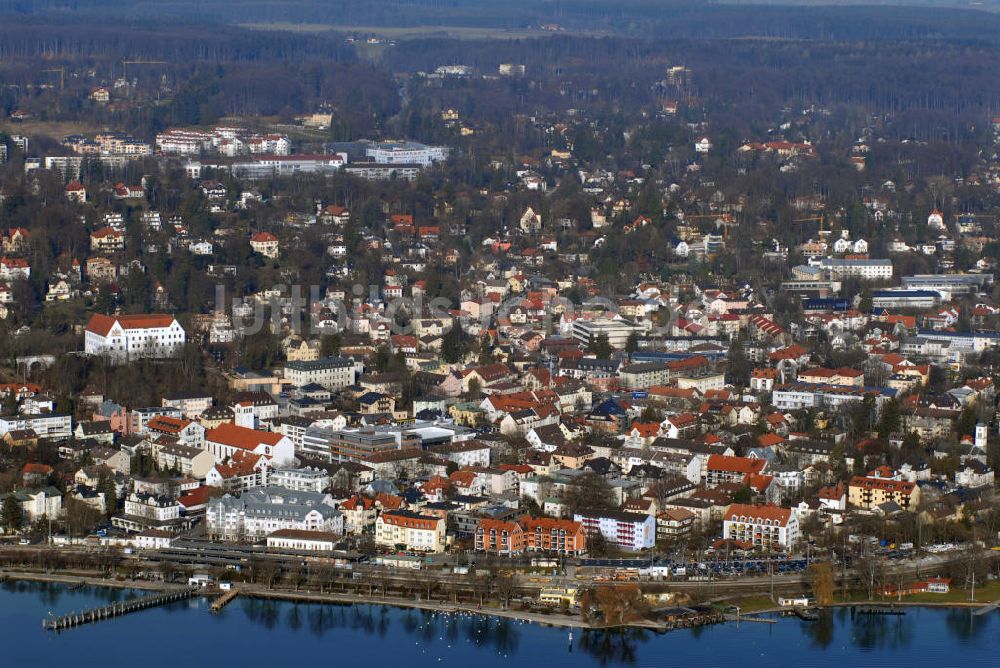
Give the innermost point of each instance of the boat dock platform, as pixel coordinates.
(114, 610)
(743, 618)
(878, 610)
(807, 614)
(986, 608)
(224, 600)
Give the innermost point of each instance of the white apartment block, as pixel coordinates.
(831, 397)
(306, 479)
(413, 531)
(148, 511)
(768, 527)
(260, 512)
(628, 531)
(183, 142)
(128, 337)
(330, 372)
(869, 270)
(406, 153)
(46, 425)
(617, 331)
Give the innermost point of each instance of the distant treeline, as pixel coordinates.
(935, 89)
(61, 36)
(750, 76)
(653, 18)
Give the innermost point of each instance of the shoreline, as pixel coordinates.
(554, 620)
(957, 605)
(306, 596)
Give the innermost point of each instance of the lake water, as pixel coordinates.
(266, 633)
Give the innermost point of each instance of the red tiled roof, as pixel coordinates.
(357, 502)
(102, 324)
(769, 440)
(752, 512)
(547, 524)
(735, 464)
(463, 478)
(389, 501)
(241, 464)
(488, 523)
(198, 496)
(164, 423)
(646, 429)
(241, 437)
(411, 520)
(883, 484)
(106, 232)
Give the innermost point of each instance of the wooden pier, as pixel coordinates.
(878, 610)
(687, 618)
(986, 608)
(224, 600)
(114, 610)
(730, 617)
(807, 614)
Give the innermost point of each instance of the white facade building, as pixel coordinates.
(260, 512)
(45, 425)
(306, 479)
(227, 439)
(768, 527)
(869, 270)
(420, 533)
(406, 153)
(128, 337)
(627, 531)
(330, 372)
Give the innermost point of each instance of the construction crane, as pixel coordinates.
(62, 76)
(126, 62)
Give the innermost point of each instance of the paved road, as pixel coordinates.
(204, 553)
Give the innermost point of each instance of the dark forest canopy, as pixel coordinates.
(660, 18)
(936, 89)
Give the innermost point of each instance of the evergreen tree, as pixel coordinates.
(890, 419)
(106, 486)
(632, 343)
(330, 345)
(12, 514)
(601, 347)
(865, 304)
(453, 344)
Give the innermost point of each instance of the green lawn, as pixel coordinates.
(986, 594)
(750, 604)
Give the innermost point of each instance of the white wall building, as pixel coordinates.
(227, 439)
(406, 153)
(869, 270)
(421, 533)
(768, 527)
(260, 512)
(128, 337)
(628, 531)
(45, 425)
(330, 372)
(306, 479)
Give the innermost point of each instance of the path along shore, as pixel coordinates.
(308, 596)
